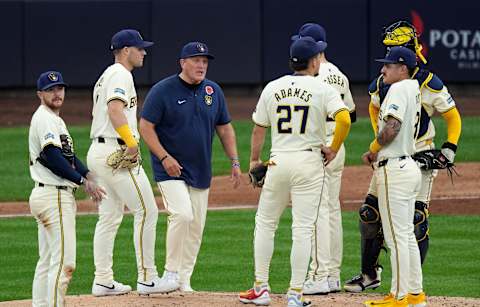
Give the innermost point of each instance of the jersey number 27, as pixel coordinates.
(283, 124)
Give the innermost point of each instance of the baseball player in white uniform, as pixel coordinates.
(296, 107)
(435, 98)
(327, 244)
(114, 126)
(396, 175)
(57, 173)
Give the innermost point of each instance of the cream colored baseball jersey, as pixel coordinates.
(432, 100)
(330, 74)
(116, 82)
(403, 103)
(296, 107)
(46, 128)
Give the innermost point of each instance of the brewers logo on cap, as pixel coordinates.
(209, 90)
(52, 76)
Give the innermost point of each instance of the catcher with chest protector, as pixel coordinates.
(434, 98)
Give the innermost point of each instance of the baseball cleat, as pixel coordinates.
(362, 282)
(186, 287)
(312, 287)
(388, 301)
(295, 299)
(168, 283)
(417, 300)
(333, 284)
(258, 295)
(115, 288)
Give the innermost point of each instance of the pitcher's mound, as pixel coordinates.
(217, 299)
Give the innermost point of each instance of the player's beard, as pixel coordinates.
(55, 104)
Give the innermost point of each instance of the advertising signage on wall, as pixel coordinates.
(450, 38)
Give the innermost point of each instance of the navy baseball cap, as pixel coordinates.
(49, 79)
(400, 55)
(128, 38)
(315, 31)
(304, 48)
(195, 49)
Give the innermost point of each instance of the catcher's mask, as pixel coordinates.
(403, 33)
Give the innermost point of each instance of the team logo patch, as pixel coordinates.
(450, 100)
(208, 100)
(201, 47)
(209, 90)
(49, 136)
(52, 76)
(393, 107)
(119, 91)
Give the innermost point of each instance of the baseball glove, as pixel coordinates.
(258, 173)
(120, 159)
(432, 159)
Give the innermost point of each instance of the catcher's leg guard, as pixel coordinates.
(371, 235)
(420, 220)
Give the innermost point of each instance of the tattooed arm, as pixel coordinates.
(390, 131)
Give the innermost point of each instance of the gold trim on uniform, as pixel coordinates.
(142, 223)
(261, 125)
(117, 98)
(316, 219)
(62, 252)
(392, 229)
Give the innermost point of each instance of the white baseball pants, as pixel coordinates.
(299, 176)
(327, 244)
(54, 211)
(187, 211)
(398, 183)
(123, 187)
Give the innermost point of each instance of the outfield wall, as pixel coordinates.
(250, 37)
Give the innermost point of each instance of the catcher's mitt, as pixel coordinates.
(120, 159)
(432, 159)
(257, 174)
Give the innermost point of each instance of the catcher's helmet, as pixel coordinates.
(403, 33)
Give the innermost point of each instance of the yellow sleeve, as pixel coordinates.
(342, 127)
(373, 111)
(126, 135)
(454, 125)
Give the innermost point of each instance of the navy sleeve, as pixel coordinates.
(223, 117)
(80, 167)
(57, 163)
(152, 108)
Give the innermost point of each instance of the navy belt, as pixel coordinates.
(384, 162)
(58, 187)
(102, 140)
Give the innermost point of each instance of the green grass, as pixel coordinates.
(16, 182)
(451, 268)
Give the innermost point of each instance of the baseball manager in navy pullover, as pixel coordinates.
(178, 123)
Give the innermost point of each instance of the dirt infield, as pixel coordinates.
(208, 299)
(463, 197)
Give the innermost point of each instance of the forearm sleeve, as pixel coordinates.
(342, 127)
(373, 111)
(57, 163)
(80, 167)
(454, 125)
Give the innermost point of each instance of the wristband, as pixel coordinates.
(126, 135)
(374, 146)
(235, 163)
(161, 160)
